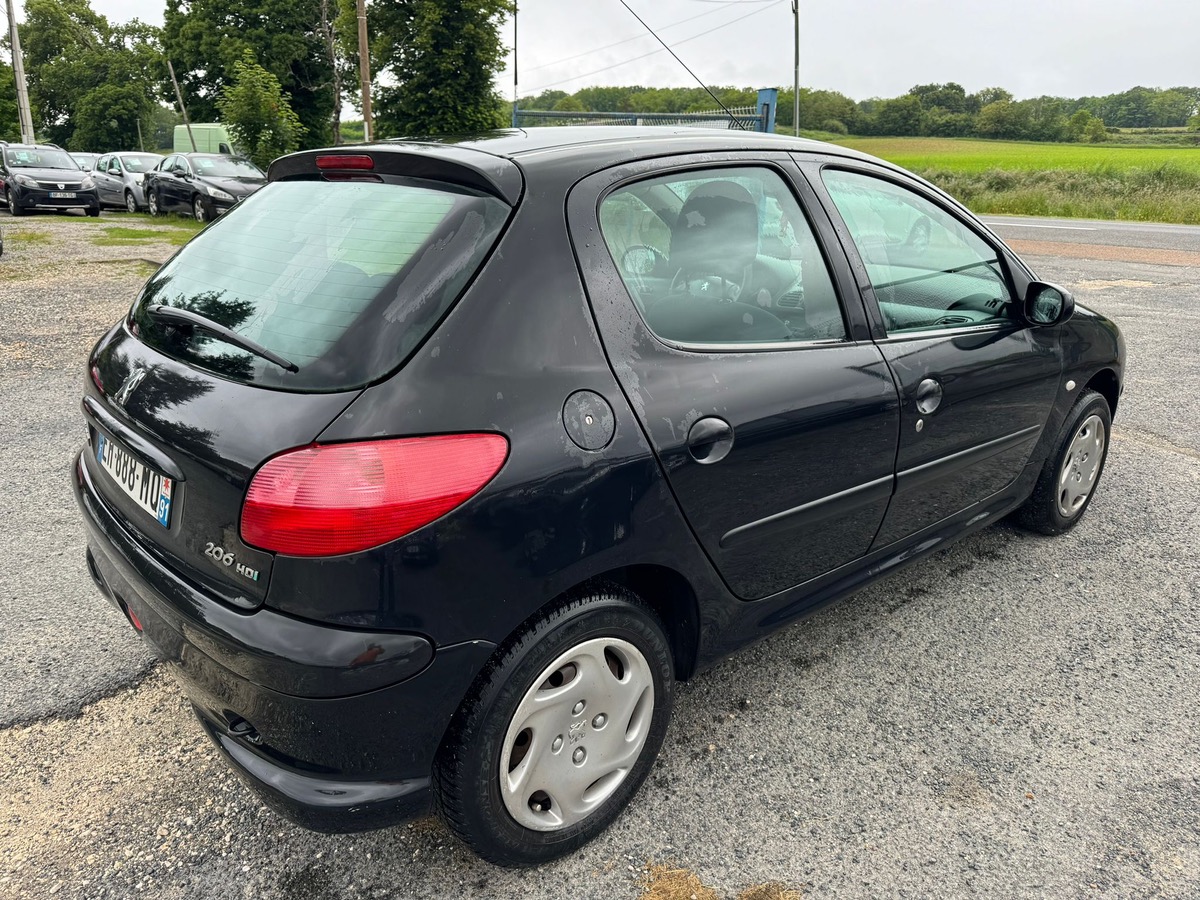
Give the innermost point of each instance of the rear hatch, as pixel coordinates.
(257, 335)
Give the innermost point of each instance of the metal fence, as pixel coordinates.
(745, 118)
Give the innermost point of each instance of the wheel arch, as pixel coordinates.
(1105, 384)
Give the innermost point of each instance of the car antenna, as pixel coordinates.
(732, 117)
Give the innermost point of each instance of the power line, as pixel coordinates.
(769, 5)
(637, 37)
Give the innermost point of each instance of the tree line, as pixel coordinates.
(278, 71)
(939, 110)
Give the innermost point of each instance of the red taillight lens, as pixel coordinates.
(345, 161)
(330, 499)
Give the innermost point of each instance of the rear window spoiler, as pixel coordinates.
(438, 162)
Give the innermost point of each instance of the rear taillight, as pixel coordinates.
(330, 499)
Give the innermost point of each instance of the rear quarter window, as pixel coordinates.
(342, 279)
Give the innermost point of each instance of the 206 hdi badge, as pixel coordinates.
(225, 558)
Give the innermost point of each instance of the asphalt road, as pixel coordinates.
(1015, 717)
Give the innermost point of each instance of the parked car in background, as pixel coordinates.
(44, 177)
(85, 161)
(431, 468)
(119, 178)
(209, 137)
(203, 184)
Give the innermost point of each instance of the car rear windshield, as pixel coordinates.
(343, 280)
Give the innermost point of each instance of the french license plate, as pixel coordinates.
(149, 490)
(62, 195)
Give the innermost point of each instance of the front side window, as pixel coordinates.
(721, 256)
(928, 270)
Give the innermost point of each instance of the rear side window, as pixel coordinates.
(343, 280)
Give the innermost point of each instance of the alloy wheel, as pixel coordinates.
(130, 202)
(198, 209)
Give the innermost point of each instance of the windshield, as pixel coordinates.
(140, 163)
(39, 159)
(225, 167)
(342, 279)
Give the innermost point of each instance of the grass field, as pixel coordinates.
(1095, 181)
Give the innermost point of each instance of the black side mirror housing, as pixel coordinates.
(1047, 304)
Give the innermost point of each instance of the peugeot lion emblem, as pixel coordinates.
(130, 385)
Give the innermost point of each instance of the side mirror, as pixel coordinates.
(113, 170)
(1047, 304)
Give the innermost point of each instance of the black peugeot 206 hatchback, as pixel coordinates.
(432, 467)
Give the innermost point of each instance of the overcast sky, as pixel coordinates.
(862, 48)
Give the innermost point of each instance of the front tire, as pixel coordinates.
(1068, 480)
(153, 202)
(559, 731)
(13, 209)
(199, 210)
(130, 202)
(93, 213)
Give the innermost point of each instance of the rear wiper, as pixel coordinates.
(228, 335)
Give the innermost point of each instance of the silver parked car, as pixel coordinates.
(119, 178)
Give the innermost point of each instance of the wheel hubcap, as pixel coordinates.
(1078, 474)
(576, 734)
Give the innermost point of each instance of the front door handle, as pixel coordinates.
(709, 440)
(929, 396)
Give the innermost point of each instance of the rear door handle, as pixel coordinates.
(709, 440)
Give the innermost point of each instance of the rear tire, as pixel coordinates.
(1068, 480)
(559, 731)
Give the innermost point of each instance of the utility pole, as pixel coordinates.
(796, 98)
(182, 108)
(514, 109)
(18, 64)
(364, 69)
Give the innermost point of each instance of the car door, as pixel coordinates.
(976, 382)
(99, 175)
(742, 345)
(159, 180)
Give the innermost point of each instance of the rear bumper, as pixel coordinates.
(320, 740)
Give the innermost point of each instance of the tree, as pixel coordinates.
(256, 110)
(437, 60)
(1003, 119)
(899, 116)
(90, 83)
(10, 125)
(990, 95)
(205, 39)
(950, 96)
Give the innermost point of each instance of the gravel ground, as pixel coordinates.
(1015, 717)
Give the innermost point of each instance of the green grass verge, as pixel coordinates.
(1151, 184)
(28, 238)
(176, 232)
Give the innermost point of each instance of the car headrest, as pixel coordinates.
(716, 232)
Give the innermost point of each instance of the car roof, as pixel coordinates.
(600, 145)
(493, 160)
